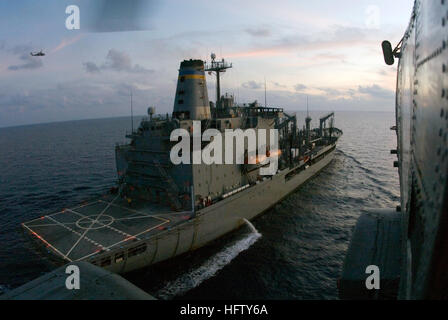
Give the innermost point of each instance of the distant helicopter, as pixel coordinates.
(37, 54)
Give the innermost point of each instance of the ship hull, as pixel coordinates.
(221, 218)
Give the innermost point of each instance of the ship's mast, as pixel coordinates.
(132, 116)
(307, 121)
(218, 67)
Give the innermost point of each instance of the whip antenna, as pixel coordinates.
(132, 115)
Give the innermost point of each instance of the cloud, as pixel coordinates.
(91, 67)
(80, 99)
(279, 85)
(29, 62)
(252, 85)
(258, 32)
(330, 57)
(336, 37)
(388, 71)
(299, 87)
(330, 91)
(21, 48)
(350, 99)
(116, 61)
(376, 91)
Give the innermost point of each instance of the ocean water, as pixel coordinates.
(293, 251)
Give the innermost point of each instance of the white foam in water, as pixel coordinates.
(208, 269)
(3, 289)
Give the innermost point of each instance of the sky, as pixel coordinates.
(326, 50)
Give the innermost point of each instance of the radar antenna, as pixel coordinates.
(218, 67)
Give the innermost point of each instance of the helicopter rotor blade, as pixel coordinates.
(116, 15)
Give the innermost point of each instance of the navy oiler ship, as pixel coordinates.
(159, 209)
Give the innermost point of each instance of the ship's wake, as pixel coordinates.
(210, 267)
(4, 289)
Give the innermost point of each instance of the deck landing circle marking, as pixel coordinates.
(103, 222)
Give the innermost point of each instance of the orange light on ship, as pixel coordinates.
(263, 158)
(275, 153)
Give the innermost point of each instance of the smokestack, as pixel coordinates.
(191, 100)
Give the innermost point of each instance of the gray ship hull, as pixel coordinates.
(217, 220)
(124, 239)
